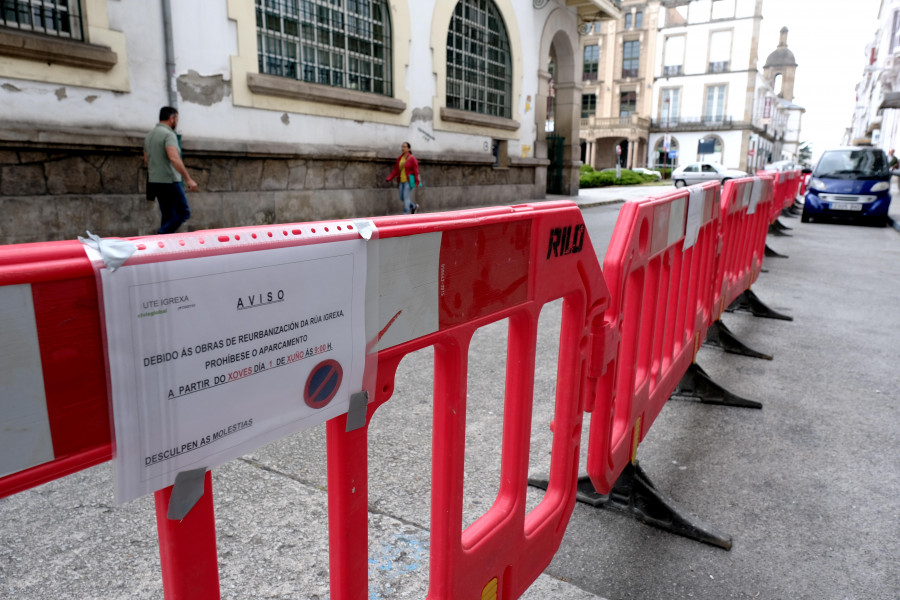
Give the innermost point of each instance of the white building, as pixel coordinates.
(290, 110)
(710, 100)
(876, 118)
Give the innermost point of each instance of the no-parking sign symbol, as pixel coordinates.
(323, 383)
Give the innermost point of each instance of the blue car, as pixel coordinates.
(849, 183)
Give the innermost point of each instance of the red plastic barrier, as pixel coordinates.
(743, 230)
(498, 263)
(661, 292)
(541, 252)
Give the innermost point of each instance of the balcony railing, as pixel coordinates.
(718, 67)
(673, 70)
(697, 123)
(605, 124)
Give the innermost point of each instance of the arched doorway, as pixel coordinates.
(558, 104)
(662, 157)
(711, 149)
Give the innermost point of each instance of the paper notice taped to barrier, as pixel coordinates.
(213, 357)
(696, 204)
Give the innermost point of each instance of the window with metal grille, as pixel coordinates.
(591, 62)
(631, 58)
(588, 105)
(479, 67)
(59, 18)
(341, 43)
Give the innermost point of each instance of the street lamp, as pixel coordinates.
(666, 139)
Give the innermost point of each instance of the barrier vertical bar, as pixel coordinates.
(187, 548)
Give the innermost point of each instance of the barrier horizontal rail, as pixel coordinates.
(672, 264)
(659, 268)
(489, 264)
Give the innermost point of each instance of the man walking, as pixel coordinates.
(167, 174)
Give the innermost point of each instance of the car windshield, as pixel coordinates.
(853, 164)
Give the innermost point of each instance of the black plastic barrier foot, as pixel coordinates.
(779, 225)
(697, 384)
(771, 253)
(720, 336)
(786, 212)
(778, 230)
(635, 495)
(750, 302)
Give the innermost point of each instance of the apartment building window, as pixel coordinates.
(719, 51)
(59, 18)
(345, 45)
(627, 20)
(715, 104)
(627, 103)
(588, 105)
(668, 106)
(631, 58)
(673, 56)
(591, 62)
(638, 19)
(479, 67)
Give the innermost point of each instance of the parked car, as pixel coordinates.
(655, 174)
(852, 183)
(701, 172)
(782, 165)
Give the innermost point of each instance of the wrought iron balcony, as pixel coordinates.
(673, 70)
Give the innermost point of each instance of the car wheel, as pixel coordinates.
(679, 183)
(726, 179)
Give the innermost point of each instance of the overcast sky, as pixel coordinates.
(828, 39)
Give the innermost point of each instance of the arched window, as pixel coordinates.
(341, 44)
(710, 149)
(664, 157)
(479, 66)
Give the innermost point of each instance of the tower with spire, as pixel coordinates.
(781, 62)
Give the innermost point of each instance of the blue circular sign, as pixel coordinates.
(323, 383)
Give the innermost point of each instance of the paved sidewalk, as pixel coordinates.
(808, 486)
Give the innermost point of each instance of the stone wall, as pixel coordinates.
(57, 190)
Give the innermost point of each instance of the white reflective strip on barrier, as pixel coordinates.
(409, 285)
(696, 206)
(676, 220)
(755, 194)
(25, 439)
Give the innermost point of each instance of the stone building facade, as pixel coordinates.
(290, 111)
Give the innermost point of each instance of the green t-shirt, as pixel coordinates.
(159, 167)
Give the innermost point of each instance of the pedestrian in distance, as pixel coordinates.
(892, 160)
(407, 170)
(166, 174)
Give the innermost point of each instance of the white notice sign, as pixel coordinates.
(212, 357)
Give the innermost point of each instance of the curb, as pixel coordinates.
(893, 223)
(593, 203)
